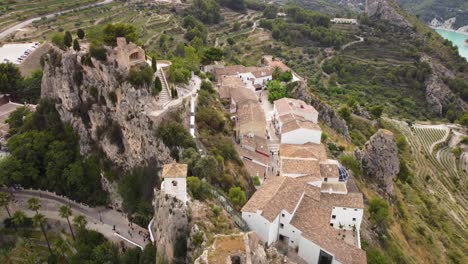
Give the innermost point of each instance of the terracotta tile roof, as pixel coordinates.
(280, 64)
(289, 105)
(329, 169)
(252, 155)
(174, 170)
(299, 166)
(339, 187)
(312, 218)
(296, 124)
(276, 194)
(261, 72)
(229, 70)
(305, 151)
(256, 142)
(251, 119)
(254, 169)
(240, 95)
(228, 84)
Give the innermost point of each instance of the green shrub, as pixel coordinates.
(141, 76)
(276, 91)
(256, 180)
(351, 163)
(237, 196)
(112, 31)
(199, 189)
(379, 212)
(98, 52)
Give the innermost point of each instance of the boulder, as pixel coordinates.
(379, 159)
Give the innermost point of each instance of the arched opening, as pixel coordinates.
(134, 56)
(174, 183)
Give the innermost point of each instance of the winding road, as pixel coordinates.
(23, 24)
(112, 224)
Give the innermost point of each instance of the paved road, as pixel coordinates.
(23, 24)
(100, 219)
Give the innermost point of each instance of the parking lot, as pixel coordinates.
(16, 53)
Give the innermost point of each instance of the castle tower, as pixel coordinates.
(175, 180)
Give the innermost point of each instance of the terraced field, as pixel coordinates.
(12, 12)
(435, 165)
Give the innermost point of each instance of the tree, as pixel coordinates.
(276, 73)
(207, 168)
(65, 212)
(236, 26)
(154, 64)
(112, 31)
(58, 40)
(270, 11)
(276, 91)
(212, 54)
(198, 188)
(237, 196)
(76, 45)
(61, 246)
(5, 199)
(231, 41)
(157, 86)
(463, 120)
(345, 113)
(67, 39)
(19, 218)
(80, 33)
(40, 221)
(10, 78)
(140, 77)
(207, 86)
(34, 204)
(286, 76)
(80, 221)
(207, 11)
(376, 111)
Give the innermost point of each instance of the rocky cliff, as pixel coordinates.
(379, 159)
(107, 112)
(172, 228)
(438, 94)
(386, 10)
(326, 113)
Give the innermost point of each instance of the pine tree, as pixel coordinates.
(67, 39)
(76, 45)
(80, 33)
(154, 64)
(157, 86)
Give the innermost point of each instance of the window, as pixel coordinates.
(292, 241)
(354, 219)
(344, 208)
(355, 210)
(331, 224)
(333, 216)
(325, 258)
(282, 215)
(174, 183)
(282, 225)
(325, 179)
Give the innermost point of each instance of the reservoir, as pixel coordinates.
(457, 38)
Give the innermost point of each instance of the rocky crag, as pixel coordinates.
(379, 159)
(172, 228)
(107, 112)
(326, 113)
(386, 10)
(438, 94)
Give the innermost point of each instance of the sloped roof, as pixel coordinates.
(251, 119)
(305, 151)
(174, 170)
(297, 124)
(319, 230)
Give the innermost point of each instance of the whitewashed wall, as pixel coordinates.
(344, 216)
(301, 136)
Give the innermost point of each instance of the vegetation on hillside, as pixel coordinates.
(19, 88)
(45, 155)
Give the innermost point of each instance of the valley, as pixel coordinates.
(168, 117)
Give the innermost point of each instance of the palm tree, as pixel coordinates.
(80, 221)
(62, 247)
(40, 221)
(18, 219)
(34, 204)
(65, 212)
(5, 199)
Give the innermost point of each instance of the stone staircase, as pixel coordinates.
(165, 95)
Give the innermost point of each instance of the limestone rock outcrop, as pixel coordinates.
(386, 10)
(326, 113)
(438, 94)
(379, 159)
(172, 228)
(106, 111)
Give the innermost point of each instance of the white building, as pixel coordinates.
(318, 224)
(338, 20)
(174, 182)
(300, 132)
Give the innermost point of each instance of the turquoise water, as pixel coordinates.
(457, 38)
